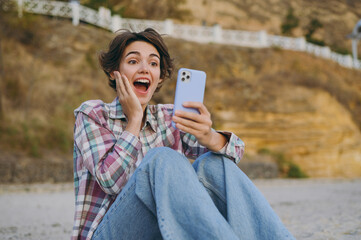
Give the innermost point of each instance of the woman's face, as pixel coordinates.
(140, 63)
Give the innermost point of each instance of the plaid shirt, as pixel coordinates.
(105, 155)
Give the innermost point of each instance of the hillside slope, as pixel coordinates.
(306, 108)
(337, 17)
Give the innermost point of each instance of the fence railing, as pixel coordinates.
(203, 34)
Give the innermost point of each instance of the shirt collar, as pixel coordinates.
(150, 118)
(116, 112)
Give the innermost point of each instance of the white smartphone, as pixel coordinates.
(190, 88)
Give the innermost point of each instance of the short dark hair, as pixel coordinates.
(110, 59)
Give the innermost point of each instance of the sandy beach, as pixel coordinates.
(310, 208)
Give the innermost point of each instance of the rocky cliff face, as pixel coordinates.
(309, 126)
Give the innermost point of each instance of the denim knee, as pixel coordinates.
(160, 150)
(208, 161)
(165, 156)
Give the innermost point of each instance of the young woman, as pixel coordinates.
(132, 176)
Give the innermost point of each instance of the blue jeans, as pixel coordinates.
(168, 198)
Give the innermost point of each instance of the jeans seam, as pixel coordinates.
(210, 187)
(99, 230)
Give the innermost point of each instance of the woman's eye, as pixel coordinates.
(132, 62)
(154, 64)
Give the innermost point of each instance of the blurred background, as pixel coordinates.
(298, 114)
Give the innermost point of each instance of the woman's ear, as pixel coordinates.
(112, 77)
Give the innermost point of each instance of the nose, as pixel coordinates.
(144, 68)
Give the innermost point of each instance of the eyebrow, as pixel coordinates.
(138, 53)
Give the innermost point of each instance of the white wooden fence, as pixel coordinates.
(103, 18)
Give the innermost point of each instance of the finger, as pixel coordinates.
(198, 105)
(120, 85)
(189, 115)
(126, 83)
(200, 118)
(187, 129)
(200, 127)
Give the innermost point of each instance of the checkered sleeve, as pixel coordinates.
(191, 147)
(234, 148)
(108, 159)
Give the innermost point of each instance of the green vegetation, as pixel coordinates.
(295, 171)
(289, 23)
(286, 166)
(340, 50)
(311, 28)
(264, 151)
(30, 139)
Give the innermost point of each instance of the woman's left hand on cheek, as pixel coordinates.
(199, 125)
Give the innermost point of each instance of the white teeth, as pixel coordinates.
(142, 81)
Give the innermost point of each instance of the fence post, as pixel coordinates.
(217, 33)
(357, 64)
(75, 12)
(301, 42)
(168, 27)
(20, 8)
(116, 23)
(354, 49)
(326, 52)
(263, 38)
(348, 62)
(104, 17)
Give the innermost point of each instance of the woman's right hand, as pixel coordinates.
(130, 103)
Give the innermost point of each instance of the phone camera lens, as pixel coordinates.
(183, 73)
(188, 77)
(183, 79)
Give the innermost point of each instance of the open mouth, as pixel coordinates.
(142, 84)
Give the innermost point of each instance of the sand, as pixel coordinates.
(310, 209)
